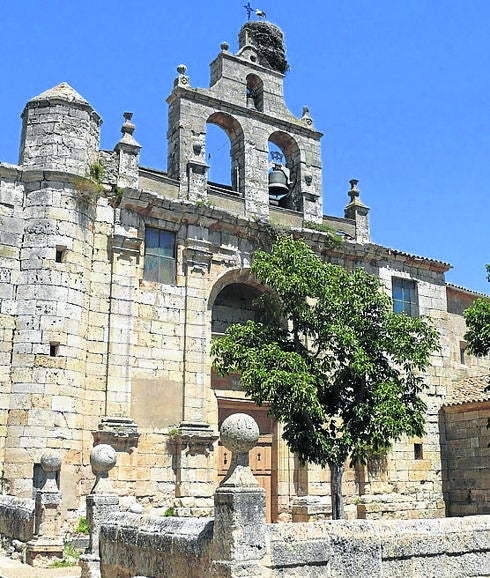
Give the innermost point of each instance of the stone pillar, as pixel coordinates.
(128, 151)
(47, 541)
(254, 161)
(186, 139)
(197, 180)
(125, 255)
(239, 539)
(195, 476)
(358, 212)
(101, 502)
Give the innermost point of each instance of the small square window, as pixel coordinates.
(404, 294)
(60, 254)
(418, 451)
(54, 349)
(160, 262)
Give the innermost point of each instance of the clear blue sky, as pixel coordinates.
(401, 91)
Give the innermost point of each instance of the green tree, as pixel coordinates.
(477, 318)
(335, 365)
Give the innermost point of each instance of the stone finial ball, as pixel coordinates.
(51, 461)
(224, 46)
(102, 458)
(181, 69)
(239, 433)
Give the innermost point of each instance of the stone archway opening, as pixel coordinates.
(225, 153)
(236, 302)
(284, 165)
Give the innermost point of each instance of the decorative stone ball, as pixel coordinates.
(225, 46)
(239, 433)
(51, 461)
(181, 69)
(102, 458)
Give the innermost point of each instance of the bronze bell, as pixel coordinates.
(278, 182)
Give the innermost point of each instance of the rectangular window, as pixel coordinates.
(462, 352)
(60, 254)
(39, 478)
(160, 265)
(404, 296)
(418, 451)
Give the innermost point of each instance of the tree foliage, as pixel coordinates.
(477, 318)
(335, 365)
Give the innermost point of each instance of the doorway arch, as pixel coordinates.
(234, 301)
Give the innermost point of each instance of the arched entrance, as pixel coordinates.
(236, 303)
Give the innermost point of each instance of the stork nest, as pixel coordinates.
(268, 40)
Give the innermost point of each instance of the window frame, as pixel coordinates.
(404, 303)
(160, 260)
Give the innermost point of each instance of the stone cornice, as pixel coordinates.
(11, 172)
(149, 204)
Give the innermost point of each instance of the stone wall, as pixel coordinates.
(182, 548)
(11, 231)
(467, 453)
(151, 546)
(16, 518)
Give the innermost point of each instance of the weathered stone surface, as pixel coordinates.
(153, 546)
(16, 518)
(239, 433)
(457, 547)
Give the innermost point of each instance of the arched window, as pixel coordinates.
(255, 92)
(224, 148)
(218, 155)
(284, 163)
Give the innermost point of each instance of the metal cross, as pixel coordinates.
(249, 9)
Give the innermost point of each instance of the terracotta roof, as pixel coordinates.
(416, 258)
(469, 390)
(465, 290)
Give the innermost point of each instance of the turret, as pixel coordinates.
(60, 132)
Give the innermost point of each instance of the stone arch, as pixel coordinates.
(234, 131)
(255, 92)
(239, 276)
(231, 301)
(292, 155)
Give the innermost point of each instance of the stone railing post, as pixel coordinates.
(47, 541)
(101, 502)
(239, 538)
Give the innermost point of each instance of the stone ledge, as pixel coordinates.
(119, 432)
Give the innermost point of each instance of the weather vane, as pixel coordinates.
(249, 9)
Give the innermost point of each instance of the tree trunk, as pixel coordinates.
(336, 474)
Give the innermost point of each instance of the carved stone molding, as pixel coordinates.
(198, 256)
(196, 438)
(119, 432)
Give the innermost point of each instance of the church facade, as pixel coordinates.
(115, 278)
